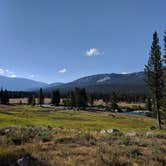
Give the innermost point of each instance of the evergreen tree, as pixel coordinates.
(33, 101)
(55, 97)
(164, 74)
(4, 97)
(149, 104)
(91, 99)
(154, 73)
(78, 97)
(30, 100)
(41, 97)
(83, 97)
(72, 99)
(106, 98)
(114, 101)
(1, 96)
(165, 46)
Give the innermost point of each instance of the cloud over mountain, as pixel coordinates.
(93, 52)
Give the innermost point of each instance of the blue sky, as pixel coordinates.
(62, 40)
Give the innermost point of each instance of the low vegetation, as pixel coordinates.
(23, 115)
(47, 146)
(49, 137)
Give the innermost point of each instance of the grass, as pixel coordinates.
(23, 115)
(74, 147)
(50, 137)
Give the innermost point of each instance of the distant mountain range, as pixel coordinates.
(101, 83)
(106, 83)
(19, 84)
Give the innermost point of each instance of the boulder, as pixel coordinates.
(150, 134)
(111, 131)
(102, 132)
(28, 160)
(7, 131)
(131, 134)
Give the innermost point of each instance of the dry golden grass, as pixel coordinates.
(76, 138)
(87, 148)
(124, 104)
(25, 100)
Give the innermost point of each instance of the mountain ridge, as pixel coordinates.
(106, 83)
(100, 83)
(19, 84)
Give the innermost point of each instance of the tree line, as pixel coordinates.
(78, 97)
(4, 97)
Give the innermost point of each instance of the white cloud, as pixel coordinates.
(7, 73)
(63, 70)
(94, 52)
(2, 72)
(13, 76)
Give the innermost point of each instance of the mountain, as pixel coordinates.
(106, 83)
(53, 85)
(19, 84)
(100, 83)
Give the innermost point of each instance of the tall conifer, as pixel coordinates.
(154, 75)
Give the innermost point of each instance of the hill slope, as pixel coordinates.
(17, 84)
(106, 83)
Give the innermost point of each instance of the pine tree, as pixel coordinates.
(4, 97)
(41, 97)
(30, 100)
(72, 99)
(165, 46)
(78, 97)
(83, 97)
(154, 75)
(164, 74)
(55, 97)
(106, 98)
(91, 99)
(149, 104)
(1, 96)
(114, 101)
(33, 103)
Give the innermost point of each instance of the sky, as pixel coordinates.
(62, 40)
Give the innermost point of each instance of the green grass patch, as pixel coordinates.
(23, 115)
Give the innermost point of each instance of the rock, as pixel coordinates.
(131, 134)
(150, 134)
(111, 131)
(102, 132)
(28, 160)
(7, 131)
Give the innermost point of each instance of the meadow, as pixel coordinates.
(32, 136)
(23, 115)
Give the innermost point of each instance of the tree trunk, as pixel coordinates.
(158, 115)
